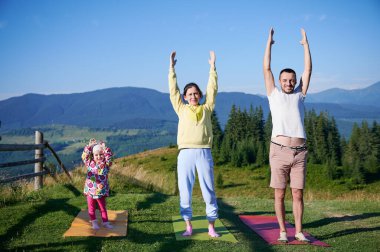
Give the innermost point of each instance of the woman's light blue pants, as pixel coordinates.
(188, 161)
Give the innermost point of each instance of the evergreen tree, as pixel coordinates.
(375, 157)
(217, 137)
(368, 147)
(323, 139)
(320, 139)
(261, 156)
(260, 124)
(360, 156)
(351, 152)
(228, 143)
(334, 147)
(310, 125)
(267, 136)
(357, 174)
(268, 128)
(244, 137)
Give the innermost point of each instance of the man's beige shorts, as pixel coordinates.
(287, 164)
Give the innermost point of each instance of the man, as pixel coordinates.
(288, 151)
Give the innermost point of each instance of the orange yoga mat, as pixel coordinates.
(81, 226)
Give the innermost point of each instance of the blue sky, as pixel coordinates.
(73, 46)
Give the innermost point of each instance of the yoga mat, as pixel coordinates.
(267, 227)
(81, 226)
(200, 229)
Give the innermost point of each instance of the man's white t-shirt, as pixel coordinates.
(288, 113)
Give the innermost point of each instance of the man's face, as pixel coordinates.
(288, 82)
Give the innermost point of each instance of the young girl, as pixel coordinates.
(194, 142)
(98, 159)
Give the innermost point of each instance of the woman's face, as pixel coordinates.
(192, 96)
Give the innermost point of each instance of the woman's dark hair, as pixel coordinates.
(287, 70)
(190, 85)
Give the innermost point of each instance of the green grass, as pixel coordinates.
(151, 166)
(39, 222)
(36, 221)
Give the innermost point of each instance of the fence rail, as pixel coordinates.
(39, 159)
(25, 176)
(21, 147)
(25, 162)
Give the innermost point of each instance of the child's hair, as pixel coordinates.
(97, 148)
(190, 85)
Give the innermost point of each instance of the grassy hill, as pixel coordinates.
(145, 185)
(157, 168)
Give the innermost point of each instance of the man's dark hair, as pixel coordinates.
(287, 70)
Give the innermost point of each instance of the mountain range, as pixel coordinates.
(366, 96)
(129, 107)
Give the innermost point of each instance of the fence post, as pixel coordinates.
(39, 153)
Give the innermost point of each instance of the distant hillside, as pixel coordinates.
(367, 96)
(100, 108)
(130, 107)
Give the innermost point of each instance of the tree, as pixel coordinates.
(217, 137)
(361, 156)
(244, 137)
(310, 125)
(267, 136)
(229, 136)
(320, 139)
(333, 143)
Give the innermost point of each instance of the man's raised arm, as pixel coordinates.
(305, 80)
(268, 75)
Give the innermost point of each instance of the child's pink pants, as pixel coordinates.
(91, 204)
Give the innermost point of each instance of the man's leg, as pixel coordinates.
(279, 162)
(297, 184)
(279, 207)
(298, 208)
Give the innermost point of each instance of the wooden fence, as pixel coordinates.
(39, 159)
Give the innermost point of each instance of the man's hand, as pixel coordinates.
(304, 38)
(212, 59)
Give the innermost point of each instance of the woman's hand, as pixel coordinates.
(270, 37)
(173, 61)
